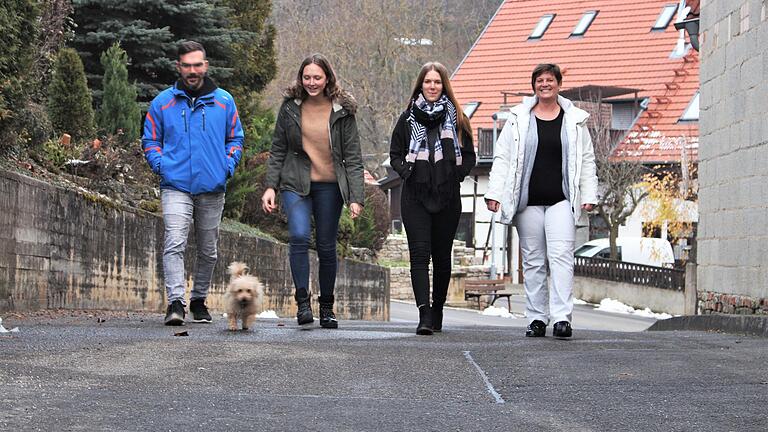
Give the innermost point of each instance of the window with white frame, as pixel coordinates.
(470, 108)
(692, 112)
(665, 17)
(584, 23)
(542, 26)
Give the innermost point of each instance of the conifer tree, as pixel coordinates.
(69, 100)
(119, 110)
(18, 24)
(149, 31)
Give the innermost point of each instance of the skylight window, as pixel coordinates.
(665, 17)
(470, 108)
(692, 112)
(584, 23)
(542, 26)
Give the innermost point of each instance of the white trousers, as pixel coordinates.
(547, 235)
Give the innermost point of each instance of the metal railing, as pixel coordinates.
(638, 274)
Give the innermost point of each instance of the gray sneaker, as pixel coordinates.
(175, 314)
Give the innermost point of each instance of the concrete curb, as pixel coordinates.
(737, 324)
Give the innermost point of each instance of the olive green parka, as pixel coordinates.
(288, 167)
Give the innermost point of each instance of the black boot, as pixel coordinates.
(437, 317)
(425, 321)
(304, 313)
(440, 282)
(327, 317)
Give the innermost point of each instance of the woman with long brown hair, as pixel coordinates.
(316, 164)
(432, 151)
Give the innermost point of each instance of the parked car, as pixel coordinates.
(640, 250)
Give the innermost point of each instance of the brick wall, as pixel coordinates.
(61, 249)
(733, 157)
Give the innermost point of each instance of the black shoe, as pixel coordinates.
(425, 321)
(327, 317)
(437, 318)
(536, 329)
(562, 329)
(199, 311)
(304, 312)
(174, 316)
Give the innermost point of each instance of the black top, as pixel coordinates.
(546, 184)
(434, 185)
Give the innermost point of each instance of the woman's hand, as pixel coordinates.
(355, 210)
(588, 207)
(268, 201)
(492, 205)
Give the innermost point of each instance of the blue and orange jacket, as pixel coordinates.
(193, 147)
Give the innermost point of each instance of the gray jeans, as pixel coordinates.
(179, 210)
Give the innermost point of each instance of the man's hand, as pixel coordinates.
(588, 207)
(268, 201)
(355, 210)
(492, 205)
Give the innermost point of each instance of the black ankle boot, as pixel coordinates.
(304, 313)
(425, 321)
(437, 317)
(327, 317)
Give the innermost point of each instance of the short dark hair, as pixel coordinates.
(187, 47)
(543, 68)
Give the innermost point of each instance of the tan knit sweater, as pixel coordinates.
(315, 138)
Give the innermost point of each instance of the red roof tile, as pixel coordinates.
(619, 49)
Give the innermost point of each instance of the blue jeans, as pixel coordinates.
(324, 202)
(179, 210)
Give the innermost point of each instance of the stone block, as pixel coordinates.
(751, 71)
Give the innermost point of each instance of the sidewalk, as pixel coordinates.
(112, 371)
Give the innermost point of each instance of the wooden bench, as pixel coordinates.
(494, 288)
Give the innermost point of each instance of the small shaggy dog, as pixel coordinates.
(245, 296)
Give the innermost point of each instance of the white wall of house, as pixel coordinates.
(494, 246)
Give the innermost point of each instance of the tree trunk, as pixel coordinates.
(614, 233)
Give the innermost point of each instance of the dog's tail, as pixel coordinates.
(237, 269)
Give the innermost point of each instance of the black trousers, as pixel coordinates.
(430, 235)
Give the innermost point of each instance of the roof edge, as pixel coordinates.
(480, 36)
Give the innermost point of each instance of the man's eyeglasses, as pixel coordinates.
(191, 65)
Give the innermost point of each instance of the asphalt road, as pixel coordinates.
(79, 371)
(585, 317)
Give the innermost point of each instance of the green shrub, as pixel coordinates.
(370, 229)
(55, 154)
(69, 100)
(119, 112)
(18, 21)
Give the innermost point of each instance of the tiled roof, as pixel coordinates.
(619, 49)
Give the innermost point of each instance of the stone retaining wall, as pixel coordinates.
(63, 249)
(714, 302)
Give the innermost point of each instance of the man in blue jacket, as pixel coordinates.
(193, 140)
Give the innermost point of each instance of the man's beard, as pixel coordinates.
(200, 80)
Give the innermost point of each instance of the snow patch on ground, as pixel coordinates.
(497, 311)
(610, 305)
(3, 329)
(268, 314)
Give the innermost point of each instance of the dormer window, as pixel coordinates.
(584, 23)
(665, 18)
(692, 112)
(542, 26)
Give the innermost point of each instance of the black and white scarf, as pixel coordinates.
(418, 148)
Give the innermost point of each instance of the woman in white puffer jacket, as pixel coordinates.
(543, 176)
